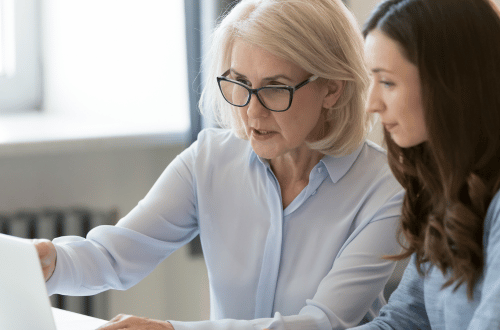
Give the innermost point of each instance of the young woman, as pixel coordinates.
(435, 69)
(294, 208)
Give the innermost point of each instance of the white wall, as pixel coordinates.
(361, 8)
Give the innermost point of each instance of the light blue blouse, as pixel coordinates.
(314, 265)
(419, 302)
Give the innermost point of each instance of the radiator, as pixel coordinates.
(51, 223)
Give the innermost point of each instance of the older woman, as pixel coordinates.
(294, 208)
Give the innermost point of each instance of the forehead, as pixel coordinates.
(382, 52)
(249, 58)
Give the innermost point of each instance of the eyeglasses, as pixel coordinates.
(273, 98)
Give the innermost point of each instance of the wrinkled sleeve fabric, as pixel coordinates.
(358, 276)
(118, 257)
(406, 307)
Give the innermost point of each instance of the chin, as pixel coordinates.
(407, 143)
(266, 153)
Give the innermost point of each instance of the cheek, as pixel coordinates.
(309, 109)
(415, 106)
(417, 112)
(420, 125)
(242, 114)
(240, 120)
(415, 122)
(304, 124)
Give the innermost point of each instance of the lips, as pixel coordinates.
(261, 132)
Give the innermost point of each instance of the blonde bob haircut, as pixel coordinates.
(322, 37)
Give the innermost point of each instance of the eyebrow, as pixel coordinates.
(377, 70)
(271, 78)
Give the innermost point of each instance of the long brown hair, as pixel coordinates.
(451, 178)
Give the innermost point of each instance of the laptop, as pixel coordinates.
(24, 302)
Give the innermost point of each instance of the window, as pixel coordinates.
(116, 60)
(20, 76)
(110, 72)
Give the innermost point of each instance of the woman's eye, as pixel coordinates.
(276, 83)
(387, 84)
(243, 81)
(280, 91)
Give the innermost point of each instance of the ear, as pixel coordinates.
(335, 89)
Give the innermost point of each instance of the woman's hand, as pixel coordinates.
(48, 256)
(135, 323)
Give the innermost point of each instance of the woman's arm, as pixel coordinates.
(117, 257)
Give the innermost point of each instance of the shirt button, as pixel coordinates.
(319, 169)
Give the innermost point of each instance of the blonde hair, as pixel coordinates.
(322, 37)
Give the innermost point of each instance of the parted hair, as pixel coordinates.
(320, 36)
(451, 178)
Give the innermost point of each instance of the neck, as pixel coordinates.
(292, 172)
(295, 165)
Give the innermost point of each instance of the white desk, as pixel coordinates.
(72, 321)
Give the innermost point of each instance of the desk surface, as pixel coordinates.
(73, 321)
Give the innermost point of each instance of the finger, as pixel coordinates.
(119, 317)
(40, 247)
(43, 247)
(46, 251)
(111, 326)
(115, 323)
(47, 255)
(135, 322)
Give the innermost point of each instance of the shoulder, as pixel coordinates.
(493, 213)
(368, 184)
(365, 168)
(494, 206)
(217, 136)
(375, 178)
(217, 139)
(373, 153)
(372, 165)
(216, 145)
(492, 220)
(215, 155)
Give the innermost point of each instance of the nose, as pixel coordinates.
(374, 103)
(255, 109)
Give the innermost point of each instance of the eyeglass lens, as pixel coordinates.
(277, 99)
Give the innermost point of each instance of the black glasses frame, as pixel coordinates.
(255, 91)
